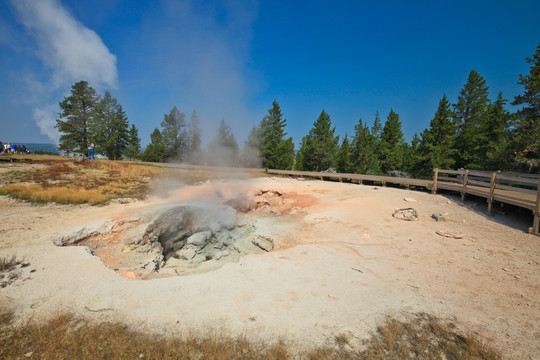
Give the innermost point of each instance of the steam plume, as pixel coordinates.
(69, 49)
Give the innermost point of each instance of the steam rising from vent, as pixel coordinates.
(69, 49)
(66, 46)
(194, 229)
(202, 57)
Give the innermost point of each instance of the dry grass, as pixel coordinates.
(59, 194)
(69, 182)
(422, 337)
(66, 337)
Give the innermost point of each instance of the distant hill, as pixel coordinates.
(47, 148)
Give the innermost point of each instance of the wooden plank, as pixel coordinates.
(435, 176)
(451, 179)
(492, 192)
(480, 173)
(536, 220)
(449, 186)
(516, 189)
(456, 172)
(518, 180)
(514, 201)
(465, 183)
(522, 175)
(479, 183)
(478, 191)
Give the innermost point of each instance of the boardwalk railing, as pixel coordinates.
(518, 189)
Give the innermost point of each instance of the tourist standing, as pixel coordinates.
(91, 151)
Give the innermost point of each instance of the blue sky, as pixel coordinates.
(230, 59)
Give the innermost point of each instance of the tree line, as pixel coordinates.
(474, 133)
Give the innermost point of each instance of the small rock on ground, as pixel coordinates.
(438, 216)
(264, 242)
(450, 234)
(408, 214)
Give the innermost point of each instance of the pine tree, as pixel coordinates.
(276, 151)
(470, 114)
(319, 147)
(527, 124)
(376, 131)
(437, 148)
(156, 151)
(133, 149)
(77, 110)
(363, 157)
(109, 128)
(175, 134)
(411, 158)
(344, 163)
(250, 153)
(194, 151)
(223, 149)
(391, 145)
(496, 127)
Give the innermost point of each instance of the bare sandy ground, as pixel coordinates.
(341, 265)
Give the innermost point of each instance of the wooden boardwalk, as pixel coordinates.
(522, 190)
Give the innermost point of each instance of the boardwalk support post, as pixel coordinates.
(465, 182)
(492, 192)
(536, 224)
(435, 176)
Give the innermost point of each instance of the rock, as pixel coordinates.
(194, 223)
(198, 259)
(186, 253)
(408, 214)
(77, 236)
(199, 239)
(411, 200)
(264, 242)
(438, 216)
(223, 239)
(152, 265)
(450, 234)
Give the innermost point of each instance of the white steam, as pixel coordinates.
(201, 51)
(46, 120)
(65, 45)
(69, 49)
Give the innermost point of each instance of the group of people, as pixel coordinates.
(7, 148)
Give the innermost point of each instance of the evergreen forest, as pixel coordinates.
(476, 132)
